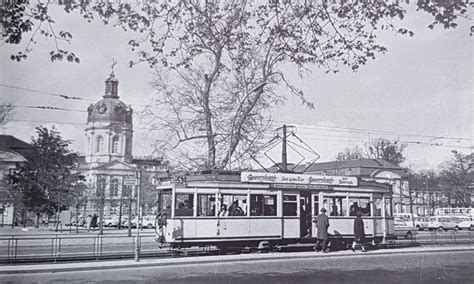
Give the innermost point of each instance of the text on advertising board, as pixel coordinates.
(258, 177)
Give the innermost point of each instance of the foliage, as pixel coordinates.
(46, 180)
(23, 21)
(377, 149)
(458, 178)
(354, 153)
(219, 62)
(5, 110)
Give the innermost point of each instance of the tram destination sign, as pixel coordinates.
(260, 177)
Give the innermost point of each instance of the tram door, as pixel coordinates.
(305, 214)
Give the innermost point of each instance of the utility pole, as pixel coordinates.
(137, 249)
(284, 162)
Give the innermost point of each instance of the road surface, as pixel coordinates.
(413, 267)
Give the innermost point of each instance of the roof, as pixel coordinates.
(11, 143)
(360, 163)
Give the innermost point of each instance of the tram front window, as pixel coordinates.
(262, 205)
(184, 205)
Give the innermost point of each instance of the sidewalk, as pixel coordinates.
(150, 262)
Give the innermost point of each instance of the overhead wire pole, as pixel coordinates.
(137, 248)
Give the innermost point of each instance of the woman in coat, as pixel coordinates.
(359, 232)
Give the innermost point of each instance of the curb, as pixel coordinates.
(71, 267)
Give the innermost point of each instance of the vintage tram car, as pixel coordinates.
(244, 209)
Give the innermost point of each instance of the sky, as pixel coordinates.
(420, 92)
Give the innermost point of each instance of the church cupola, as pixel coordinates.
(111, 87)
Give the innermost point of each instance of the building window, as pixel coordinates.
(100, 144)
(115, 145)
(262, 205)
(114, 187)
(100, 189)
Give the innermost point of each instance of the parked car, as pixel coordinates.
(466, 225)
(80, 223)
(146, 221)
(443, 223)
(112, 222)
(421, 223)
(403, 228)
(106, 220)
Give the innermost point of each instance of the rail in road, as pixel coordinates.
(58, 247)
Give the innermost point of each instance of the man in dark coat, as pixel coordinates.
(322, 224)
(359, 232)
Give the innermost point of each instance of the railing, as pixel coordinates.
(31, 248)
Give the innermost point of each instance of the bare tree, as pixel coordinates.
(387, 150)
(5, 110)
(458, 178)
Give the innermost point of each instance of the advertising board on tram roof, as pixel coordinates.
(261, 177)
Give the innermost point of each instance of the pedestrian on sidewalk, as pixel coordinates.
(94, 222)
(359, 233)
(89, 222)
(322, 224)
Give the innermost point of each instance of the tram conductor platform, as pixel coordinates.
(322, 224)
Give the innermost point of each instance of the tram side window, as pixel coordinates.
(316, 205)
(233, 205)
(262, 205)
(206, 205)
(184, 205)
(388, 207)
(378, 206)
(361, 204)
(336, 204)
(289, 205)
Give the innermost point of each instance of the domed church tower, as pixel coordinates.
(109, 129)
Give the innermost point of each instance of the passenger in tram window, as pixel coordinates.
(334, 210)
(366, 210)
(353, 209)
(223, 212)
(235, 210)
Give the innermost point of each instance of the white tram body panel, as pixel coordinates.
(276, 212)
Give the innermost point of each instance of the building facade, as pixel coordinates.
(377, 170)
(108, 162)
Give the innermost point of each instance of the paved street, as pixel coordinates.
(31, 244)
(408, 267)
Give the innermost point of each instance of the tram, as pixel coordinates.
(246, 209)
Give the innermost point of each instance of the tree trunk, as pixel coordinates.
(37, 220)
(130, 218)
(101, 217)
(77, 219)
(57, 219)
(119, 225)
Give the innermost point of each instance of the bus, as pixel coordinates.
(248, 209)
(455, 212)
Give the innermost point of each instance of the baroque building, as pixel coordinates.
(108, 160)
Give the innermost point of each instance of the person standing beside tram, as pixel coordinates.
(359, 233)
(322, 224)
